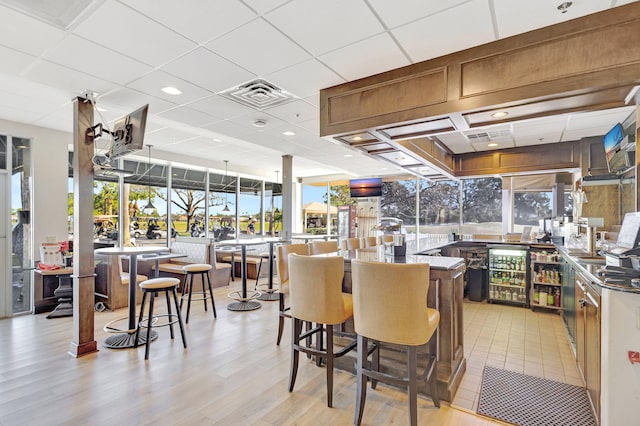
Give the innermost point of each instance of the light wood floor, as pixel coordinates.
(231, 374)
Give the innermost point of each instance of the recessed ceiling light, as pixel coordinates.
(171, 90)
(260, 123)
(217, 140)
(399, 158)
(499, 114)
(348, 155)
(288, 133)
(357, 138)
(492, 144)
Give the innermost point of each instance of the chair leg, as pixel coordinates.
(175, 299)
(148, 342)
(361, 380)
(258, 274)
(189, 299)
(166, 295)
(375, 363)
(213, 303)
(296, 329)
(412, 366)
(204, 290)
(280, 318)
(330, 358)
(144, 297)
(320, 344)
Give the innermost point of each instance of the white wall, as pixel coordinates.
(49, 154)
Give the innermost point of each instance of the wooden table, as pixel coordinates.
(64, 291)
(126, 339)
(244, 300)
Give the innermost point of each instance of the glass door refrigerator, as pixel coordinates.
(508, 274)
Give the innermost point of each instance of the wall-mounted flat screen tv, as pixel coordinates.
(369, 187)
(612, 140)
(128, 133)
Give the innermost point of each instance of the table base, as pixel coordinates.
(126, 340)
(249, 305)
(269, 296)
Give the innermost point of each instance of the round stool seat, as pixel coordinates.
(197, 267)
(158, 283)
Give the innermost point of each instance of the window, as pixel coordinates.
(482, 206)
(529, 207)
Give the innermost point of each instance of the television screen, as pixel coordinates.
(128, 133)
(612, 140)
(370, 187)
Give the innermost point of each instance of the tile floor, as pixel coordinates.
(517, 339)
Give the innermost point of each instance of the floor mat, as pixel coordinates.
(532, 401)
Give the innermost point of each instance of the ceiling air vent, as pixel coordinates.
(479, 137)
(258, 94)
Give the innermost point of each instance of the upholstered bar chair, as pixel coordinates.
(323, 247)
(390, 306)
(282, 263)
(350, 244)
(316, 297)
(368, 242)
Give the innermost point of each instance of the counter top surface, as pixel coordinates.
(377, 254)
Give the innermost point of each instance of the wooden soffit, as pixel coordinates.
(589, 63)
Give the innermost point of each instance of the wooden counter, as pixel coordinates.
(446, 293)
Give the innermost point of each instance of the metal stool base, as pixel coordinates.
(124, 341)
(269, 296)
(250, 305)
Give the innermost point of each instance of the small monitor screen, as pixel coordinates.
(629, 234)
(128, 133)
(612, 140)
(370, 187)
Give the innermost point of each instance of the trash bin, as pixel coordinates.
(477, 288)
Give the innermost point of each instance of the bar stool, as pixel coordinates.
(389, 305)
(321, 247)
(154, 286)
(350, 244)
(316, 297)
(191, 270)
(282, 263)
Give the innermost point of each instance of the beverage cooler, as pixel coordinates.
(508, 274)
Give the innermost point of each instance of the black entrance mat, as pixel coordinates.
(532, 401)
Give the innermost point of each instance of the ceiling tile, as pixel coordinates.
(14, 61)
(213, 18)
(349, 22)
(124, 30)
(228, 129)
(473, 16)
(294, 112)
(218, 106)
(392, 15)
(167, 136)
(268, 52)
(263, 6)
(208, 70)
(188, 116)
(132, 99)
(519, 17)
(387, 56)
(305, 79)
(74, 82)
(312, 125)
(16, 26)
(152, 84)
(72, 52)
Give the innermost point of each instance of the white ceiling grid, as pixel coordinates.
(127, 50)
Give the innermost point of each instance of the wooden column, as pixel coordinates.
(83, 269)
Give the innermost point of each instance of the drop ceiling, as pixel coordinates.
(127, 51)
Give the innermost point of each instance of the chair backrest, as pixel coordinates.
(386, 238)
(368, 242)
(350, 244)
(315, 290)
(320, 247)
(390, 301)
(282, 258)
